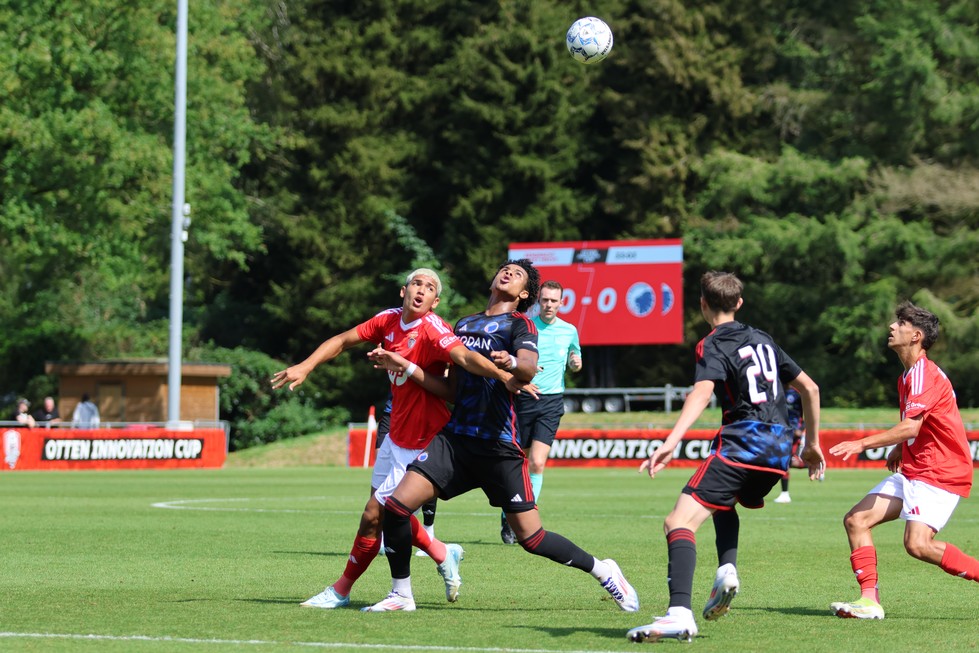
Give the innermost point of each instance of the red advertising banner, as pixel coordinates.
(627, 292)
(360, 451)
(150, 448)
(628, 448)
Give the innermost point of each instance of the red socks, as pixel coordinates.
(863, 561)
(959, 564)
(420, 538)
(361, 556)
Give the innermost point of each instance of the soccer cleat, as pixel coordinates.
(327, 599)
(420, 554)
(450, 571)
(725, 588)
(862, 608)
(679, 626)
(783, 498)
(506, 533)
(620, 589)
(392, 602)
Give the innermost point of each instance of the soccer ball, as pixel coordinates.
(589, 40)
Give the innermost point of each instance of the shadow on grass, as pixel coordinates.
(611, 633)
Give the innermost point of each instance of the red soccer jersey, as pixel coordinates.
(940, 454)
(416, 414)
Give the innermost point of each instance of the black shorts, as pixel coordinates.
(720, 485)
(456, 464)
(538, 419)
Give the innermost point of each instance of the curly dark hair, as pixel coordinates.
(533, 282)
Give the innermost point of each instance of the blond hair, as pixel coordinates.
(426, 272)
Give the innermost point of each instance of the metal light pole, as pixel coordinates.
(181, 220)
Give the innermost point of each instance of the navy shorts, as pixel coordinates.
(720, 485)
(383, 428)
(538, 419)
(456, 464)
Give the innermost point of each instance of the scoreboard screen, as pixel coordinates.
(616, 292)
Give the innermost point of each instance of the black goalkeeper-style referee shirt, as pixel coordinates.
(749, 372)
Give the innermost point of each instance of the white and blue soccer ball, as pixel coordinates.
(589, 40)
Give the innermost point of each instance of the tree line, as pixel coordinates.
(827, 152)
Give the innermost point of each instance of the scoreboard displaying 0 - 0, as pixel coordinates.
(616, 292)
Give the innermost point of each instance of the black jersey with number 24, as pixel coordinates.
(749, 372)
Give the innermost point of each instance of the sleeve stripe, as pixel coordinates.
(438, 324)
(530, 323)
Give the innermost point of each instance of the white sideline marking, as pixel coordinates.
(196, 504)
(262, 642)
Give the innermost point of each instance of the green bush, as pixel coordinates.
(285, 420)
(257, 413)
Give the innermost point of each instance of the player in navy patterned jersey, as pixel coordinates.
(750, 453)
(793, 408)
(480, 446)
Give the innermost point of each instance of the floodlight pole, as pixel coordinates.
(180, 220)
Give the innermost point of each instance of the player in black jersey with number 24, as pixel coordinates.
(750, 454)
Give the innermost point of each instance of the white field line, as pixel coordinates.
(199, 504)
(261, 642)
(769, 513)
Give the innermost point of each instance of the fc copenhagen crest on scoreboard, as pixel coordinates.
(624, 292)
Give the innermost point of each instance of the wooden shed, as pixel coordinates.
(138, 390)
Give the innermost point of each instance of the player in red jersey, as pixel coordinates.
(427, 342)
(932, 467)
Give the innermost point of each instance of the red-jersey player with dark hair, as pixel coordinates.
(931, 465)
(426, 341)
(750, 453)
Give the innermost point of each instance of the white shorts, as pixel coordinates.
(389, 468)
(928, 504)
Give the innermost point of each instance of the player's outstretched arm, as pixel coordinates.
(393, 362)
(523, 365)
(811, 453)
(475, 363)
(478, 364)
(693, 407)
(905, 430)
(330, 349)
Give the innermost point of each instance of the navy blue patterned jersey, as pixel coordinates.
(484, 407)
(793, 406)
(749, 372)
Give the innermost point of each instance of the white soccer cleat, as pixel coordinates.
(449, 570)
(392, 602)
(620, 589)
(327, 599)
(783, 498)
(680, 626)
(420, 554)
(862, 608)
(726, 586)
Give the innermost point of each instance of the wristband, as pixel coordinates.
(410, 369)
(513, 362)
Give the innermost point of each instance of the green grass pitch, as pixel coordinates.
(202, 561)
